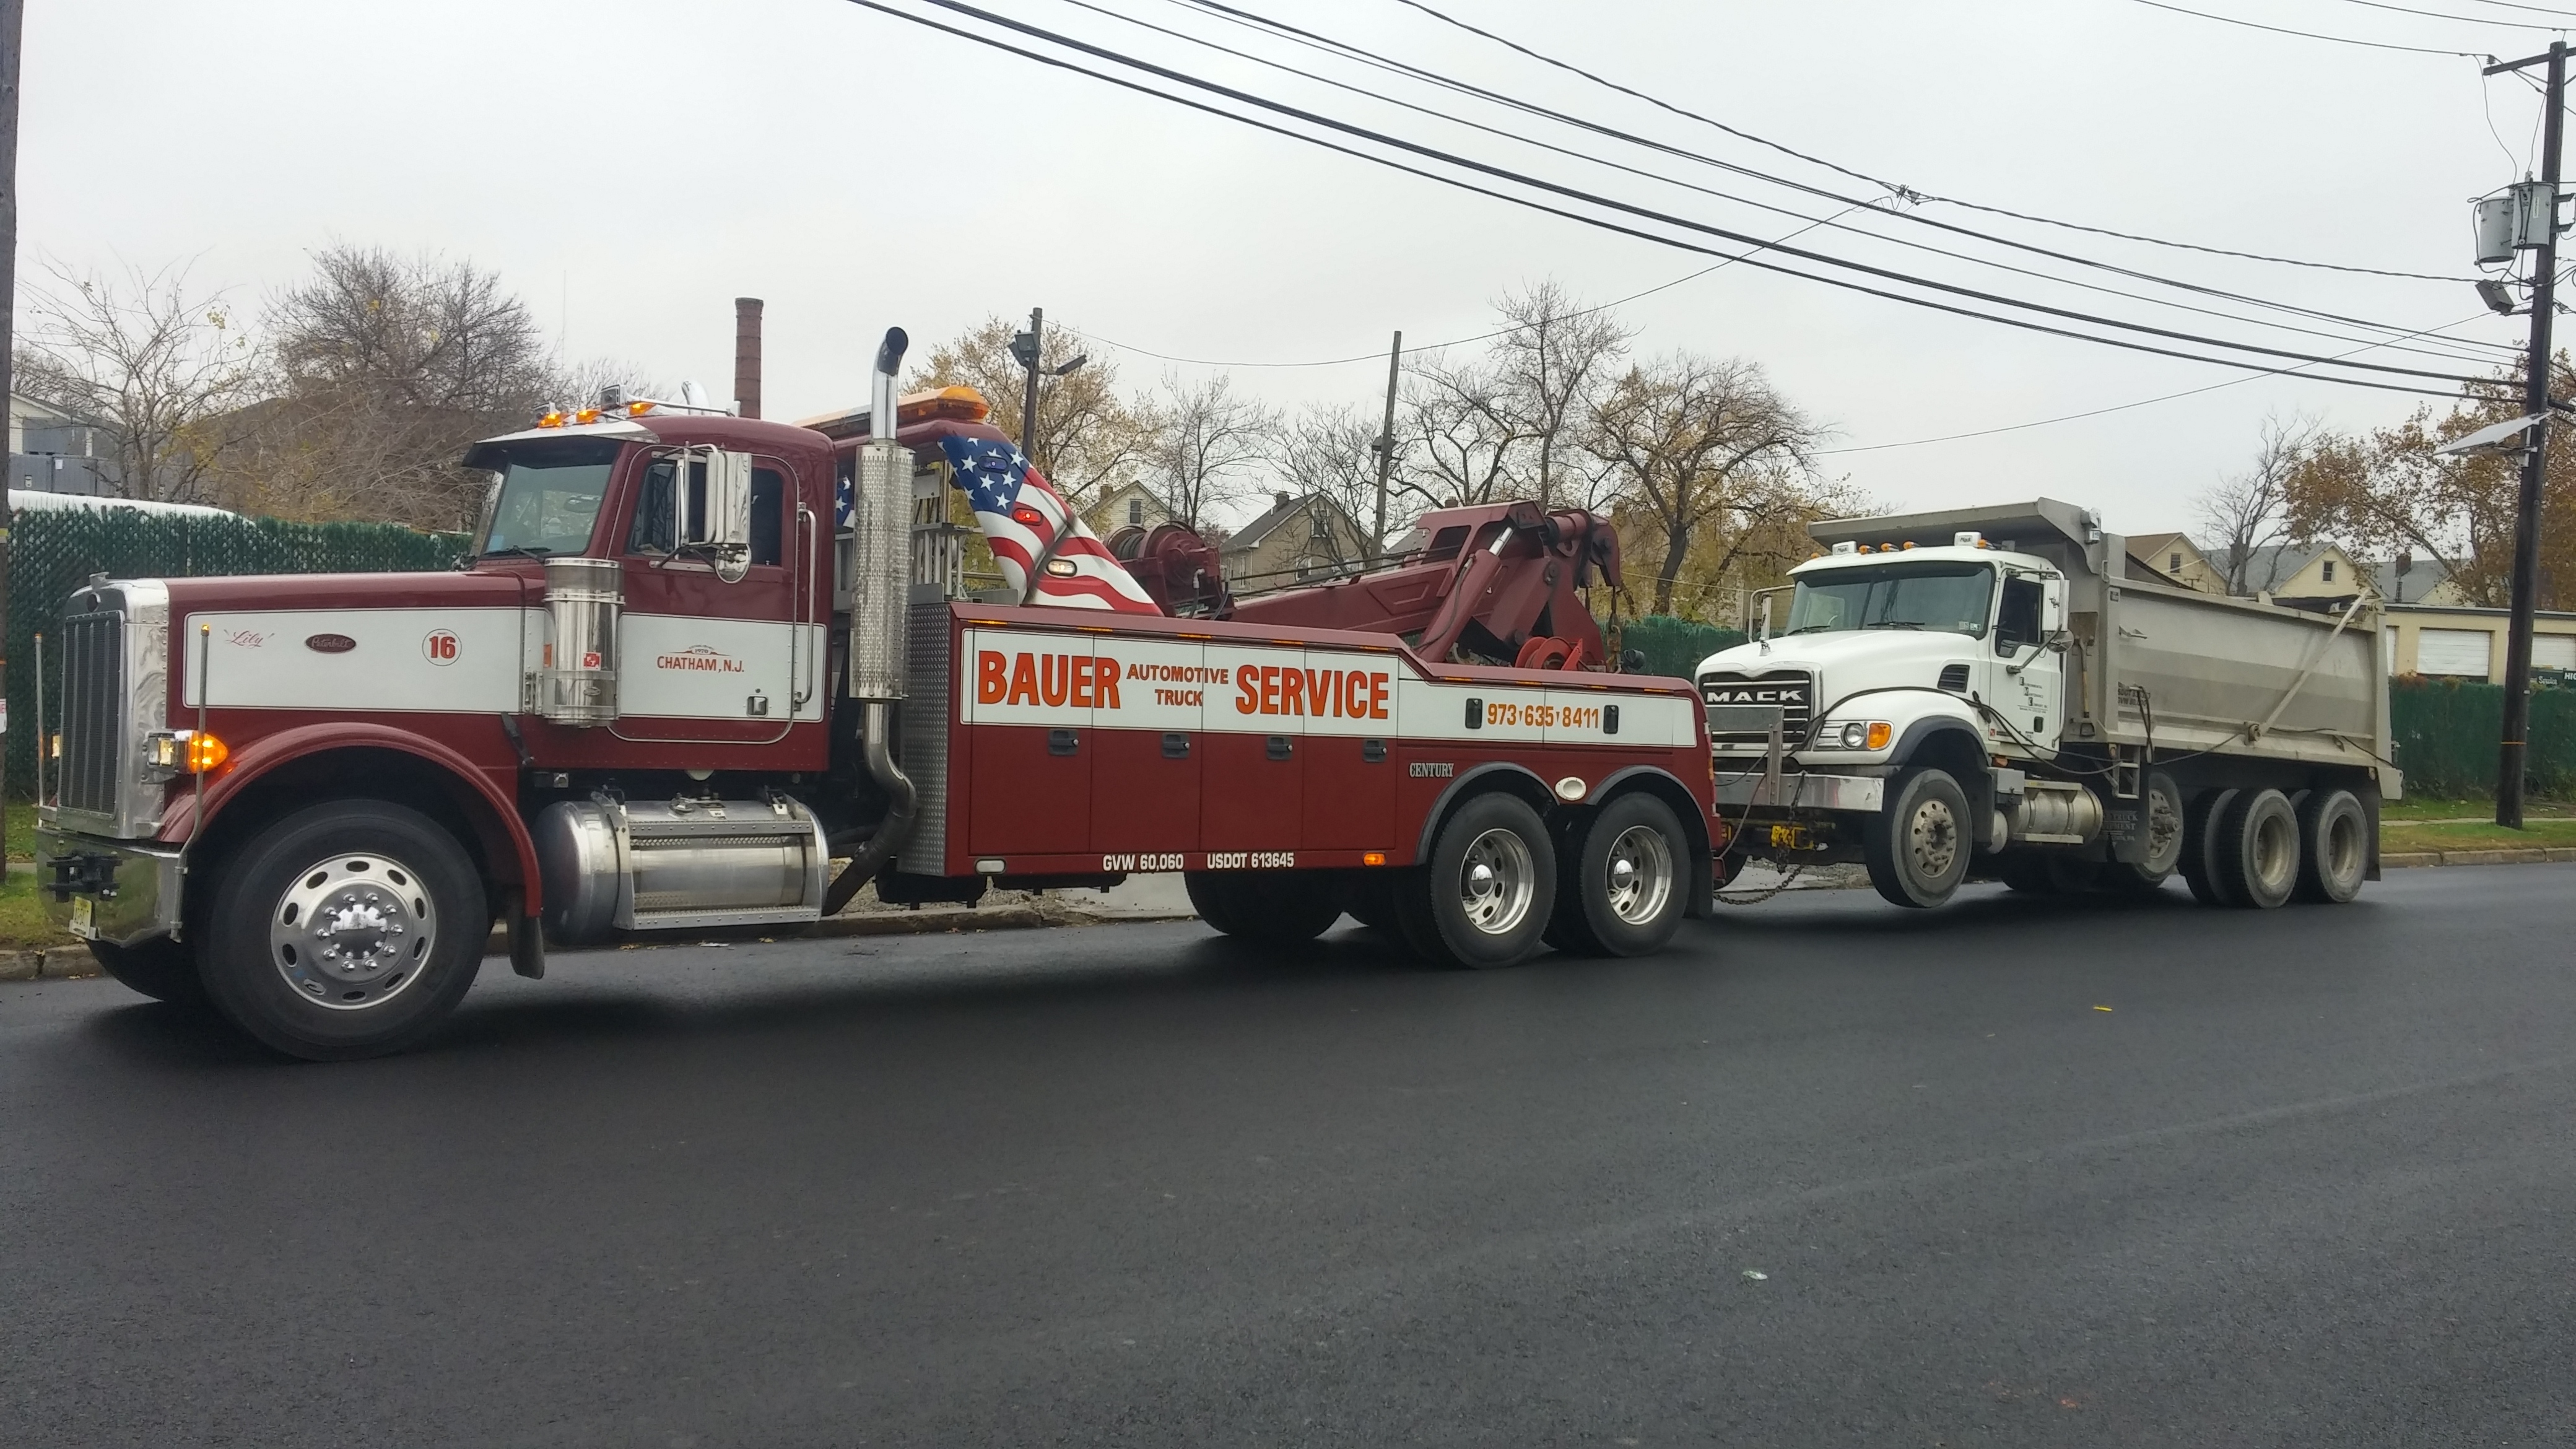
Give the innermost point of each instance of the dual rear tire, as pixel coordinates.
(2260, 849)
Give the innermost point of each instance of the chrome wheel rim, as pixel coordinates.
(353, 931)
(2164, 832)
(1496, 882)
(1640, 874)
(1932, 838)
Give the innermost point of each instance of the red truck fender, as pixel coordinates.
(498, 822)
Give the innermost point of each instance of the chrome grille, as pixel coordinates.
(928, 704)
(94, 725)
(1742, 704)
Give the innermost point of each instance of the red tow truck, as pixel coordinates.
(696, 661)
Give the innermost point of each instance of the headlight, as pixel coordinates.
(1860, 734)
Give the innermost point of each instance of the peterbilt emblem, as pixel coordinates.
(329, 643)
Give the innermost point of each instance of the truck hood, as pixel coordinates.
(1860, 659)
(492, 590)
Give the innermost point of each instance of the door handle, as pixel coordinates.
(1281, 747)
(1176, 747)
(1063, 742)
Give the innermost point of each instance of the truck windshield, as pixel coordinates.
(550, 496)
(1950, 598)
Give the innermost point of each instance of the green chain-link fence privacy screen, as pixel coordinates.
(1675, 646)
(56, 550)
(2446, 736)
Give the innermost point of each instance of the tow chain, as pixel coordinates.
(1788, 878)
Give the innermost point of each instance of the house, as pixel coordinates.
(53, 451)
(2177, 559)
(2458, 642)
(1125, 505)
(1300, 540)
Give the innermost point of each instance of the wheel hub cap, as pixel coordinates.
(1933, 838)
(1641, 875)
(1495, 887)
(352, 931)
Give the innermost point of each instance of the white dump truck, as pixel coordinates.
(2005, 693)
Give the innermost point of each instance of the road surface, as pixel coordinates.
(1828, 1173)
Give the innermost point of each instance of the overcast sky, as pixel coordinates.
(631, 167)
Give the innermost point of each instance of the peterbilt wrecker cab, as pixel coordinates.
(702, 671)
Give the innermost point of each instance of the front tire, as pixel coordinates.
(162, 969)
(346, 930)
(1489, 889)
(1625, 895)
(1917, 848)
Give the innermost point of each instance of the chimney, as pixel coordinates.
(1282, 500)
(746, 355)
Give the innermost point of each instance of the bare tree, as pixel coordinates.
(1327, 449)
(1208, 442)
(1702, 445)
(1550, 368)
(2247, 517)
(160, 369)
(389, 366)
(1459, 433)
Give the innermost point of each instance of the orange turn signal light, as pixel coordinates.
(205, 753)
(552, 419)
(1879, 733)
(1374, 857)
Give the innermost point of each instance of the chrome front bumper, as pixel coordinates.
(115, 891)
(1861, 793)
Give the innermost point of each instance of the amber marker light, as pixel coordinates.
(638, 408)
(1374, 857)
(1880, 731)
(205, 753)
(551, 420)
(587, 416)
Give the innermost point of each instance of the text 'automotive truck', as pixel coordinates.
(696, 659)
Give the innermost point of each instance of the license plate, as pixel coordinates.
(84, 916)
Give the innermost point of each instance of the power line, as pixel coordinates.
(2462, 19)
(2452, 353)
(1909, 192)
(2089, 413)
(1604, 224)
(2311, 34)
(1327, 43)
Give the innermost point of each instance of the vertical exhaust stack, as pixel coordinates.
(881, 518)
(746, 355)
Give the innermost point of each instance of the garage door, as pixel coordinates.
(2553, 651)
(2452, 651)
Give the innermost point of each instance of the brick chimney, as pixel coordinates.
(746, 354)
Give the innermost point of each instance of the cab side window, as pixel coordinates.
(656, 528)
(2017, 622)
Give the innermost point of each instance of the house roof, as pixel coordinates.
(2151, 544)
(1286, 507)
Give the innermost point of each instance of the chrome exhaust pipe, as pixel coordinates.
(879, 636)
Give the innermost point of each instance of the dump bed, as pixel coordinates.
(2186, 671)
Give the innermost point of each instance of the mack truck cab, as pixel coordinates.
(2004, 692)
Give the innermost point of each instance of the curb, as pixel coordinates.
(54, 963)
(2533, 855)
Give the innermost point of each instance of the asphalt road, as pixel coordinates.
(1830, 1173)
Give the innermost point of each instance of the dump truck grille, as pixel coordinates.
(96, 736)
(1742, 704)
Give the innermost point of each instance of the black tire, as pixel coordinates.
(1627, 876)
(2200, 847)
(1917, 847)
(1728, 867)
(1368, 897)
(2258, 849)
(1279, 908)
(162, 969)
(421, 923)
(2334, 846)
(2161, 816)
(1452, 916)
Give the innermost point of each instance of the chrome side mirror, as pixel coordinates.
(715, 509)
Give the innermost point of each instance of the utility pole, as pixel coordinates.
(13, 16)
(2513, 747)
(1385, 446)
(1025, 347)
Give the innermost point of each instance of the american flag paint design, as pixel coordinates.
(1019, 511)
